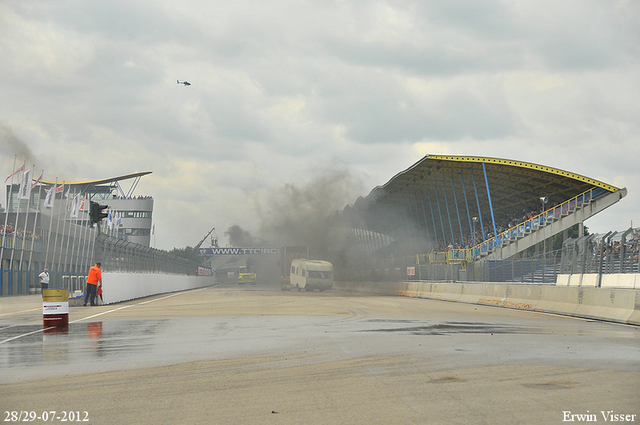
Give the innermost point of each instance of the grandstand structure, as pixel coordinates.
(466, 209)
(60, 236)
(131, 216)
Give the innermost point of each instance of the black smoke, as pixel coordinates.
(241, 238)
(304, 214)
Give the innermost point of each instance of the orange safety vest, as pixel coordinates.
(95, 274)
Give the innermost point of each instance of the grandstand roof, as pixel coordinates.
(103, 187)
(102, 181)
(455, 186)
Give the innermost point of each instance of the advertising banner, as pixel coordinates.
(239, 251)
(55, 307)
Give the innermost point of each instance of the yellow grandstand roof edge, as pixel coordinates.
(523, 164)
(101, 181)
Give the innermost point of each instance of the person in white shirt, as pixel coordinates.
(44, 279)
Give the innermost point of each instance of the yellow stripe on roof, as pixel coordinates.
(528, 165)
(101, 181)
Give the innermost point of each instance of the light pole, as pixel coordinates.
(544, 200)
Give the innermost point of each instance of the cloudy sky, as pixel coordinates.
(291, 92)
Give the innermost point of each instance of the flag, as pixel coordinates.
(25, 186)
(153, 229)
(82, 203)
(36, 182)
(117, 220)
(60, 188)
(66, 195)
(110, 220)
(75, 203)
(15, 172)
(48, 201)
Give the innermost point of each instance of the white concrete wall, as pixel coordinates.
(613, 280)
(612, 304)
(629, 281)
(118, 287)
(563, 279)
(590, 279)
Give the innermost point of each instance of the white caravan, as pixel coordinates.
(311, 274)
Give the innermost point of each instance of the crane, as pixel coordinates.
(203, 239)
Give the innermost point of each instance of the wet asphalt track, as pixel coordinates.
(255, 355)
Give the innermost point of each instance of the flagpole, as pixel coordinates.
(109, 222)
(53, 204)
(90, 240)
(33, 232)
(74, 259)
(118, 224)
(6, 214)
(68, 238)
(83, 237)
(15, 228)
(83, 234)
(93, 246)
(26, 223)
(55, 247)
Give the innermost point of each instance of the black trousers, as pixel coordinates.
(91, 294)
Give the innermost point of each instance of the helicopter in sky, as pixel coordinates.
(186, 83)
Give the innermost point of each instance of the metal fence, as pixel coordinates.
(68, 249)
(539, 269)
(614, 252)
(65, 248)
(121, 256)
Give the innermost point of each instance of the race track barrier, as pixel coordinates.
(117, 287)
(609, 304)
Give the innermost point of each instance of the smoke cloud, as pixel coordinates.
(304, 214)
(241, 238)
(301, 214)
(12, 145)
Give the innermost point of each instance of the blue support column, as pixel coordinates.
(409, 218)
(475, 188)
(444, 235)
(415, 198)
(455, 200)
(493, 221)
(446, 203)
(464, 192)
(424, 215)
(433, 218)
(398, 222)
(395, 231)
